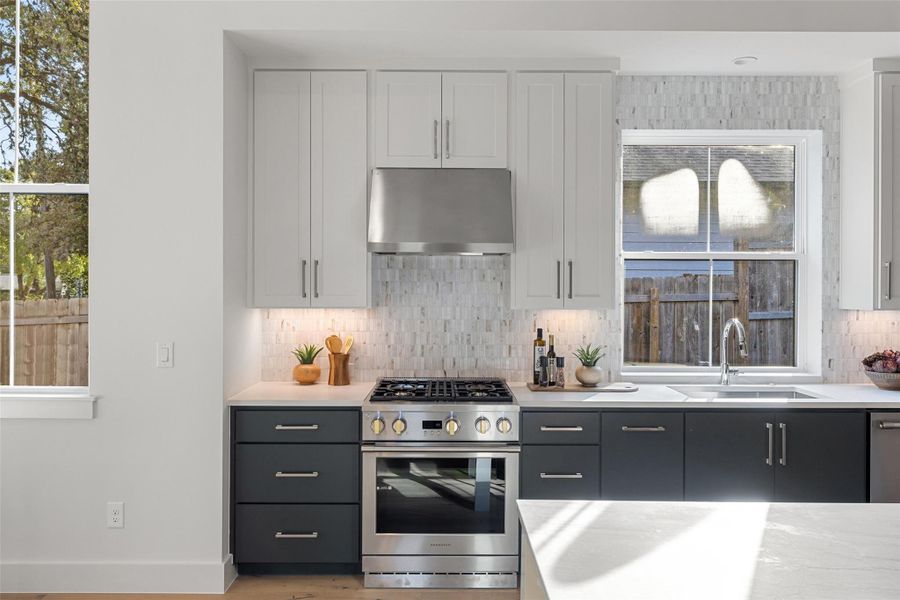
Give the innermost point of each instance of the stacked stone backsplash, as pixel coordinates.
(451, 316)
(444, 316)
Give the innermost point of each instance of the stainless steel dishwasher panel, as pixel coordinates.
(884, 458)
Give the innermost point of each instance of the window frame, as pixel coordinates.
(807, 252)
(22, 401)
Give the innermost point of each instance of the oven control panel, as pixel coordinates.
(488, 425)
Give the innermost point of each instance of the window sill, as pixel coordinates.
(46, 404)
(745, 378)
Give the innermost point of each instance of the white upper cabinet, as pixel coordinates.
(408, 119)
(474, 107)
(565, 195)
(281, 250)
(538, 259)
(870, 189)
(426, 119)
(309, 189)
(338, 189)
(590, 228)
(889, 205)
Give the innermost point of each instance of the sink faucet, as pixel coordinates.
(727, 371)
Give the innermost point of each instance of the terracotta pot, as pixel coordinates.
(307, 374)
(589, 376)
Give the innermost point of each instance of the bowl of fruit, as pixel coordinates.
(883, 369)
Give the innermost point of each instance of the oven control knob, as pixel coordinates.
(377, 425)
(451, 426)
(399, 425)
(482, 425)
(504, 425)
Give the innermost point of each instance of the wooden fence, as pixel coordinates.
(51, 338)
(667, 318)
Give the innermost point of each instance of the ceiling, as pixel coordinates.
(681, 52)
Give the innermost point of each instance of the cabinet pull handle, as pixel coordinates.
(296, 536)
(642, 429)
(561, 476)
(889, 425)
(316, 278)
(886, 275)
(570, 280)
(771, 435)
(783, 460)
(303, 276)
(558, 284)
(562, 428)
(296, 474)
(434, 144)
(447, 141)
(296, 427)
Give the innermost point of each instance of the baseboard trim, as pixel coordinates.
(118, 577)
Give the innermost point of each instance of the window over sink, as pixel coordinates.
(715, 225)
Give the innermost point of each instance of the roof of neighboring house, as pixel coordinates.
(765, 163)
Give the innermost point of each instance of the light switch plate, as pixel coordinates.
(165, 355)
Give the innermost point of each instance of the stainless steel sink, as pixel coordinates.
(743, 392)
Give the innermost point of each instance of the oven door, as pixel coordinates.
(440, 500)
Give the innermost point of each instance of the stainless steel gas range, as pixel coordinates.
(440, 466)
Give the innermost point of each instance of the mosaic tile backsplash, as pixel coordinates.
(450, 316)
(443, 316)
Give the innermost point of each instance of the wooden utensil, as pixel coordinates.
(334, 344)
(348, 343)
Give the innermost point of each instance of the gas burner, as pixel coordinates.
(446, 389)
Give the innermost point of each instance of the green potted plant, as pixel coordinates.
(589, 374)
(307, 372)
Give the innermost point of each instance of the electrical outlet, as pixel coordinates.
(165, 355)
(115, 515)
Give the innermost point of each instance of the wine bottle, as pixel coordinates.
(540, 350)
(551, 359)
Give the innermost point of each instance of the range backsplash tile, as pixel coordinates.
(434, 316)
(451, 316)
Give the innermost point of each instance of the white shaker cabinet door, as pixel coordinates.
(474, 123)
(888, 217)
(407, 119)
(281, 248)
(538, 259)
(338, 189)
(589, 272)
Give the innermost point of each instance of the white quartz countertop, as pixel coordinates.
(864, 395)
(709, 551)
(287, 393)
(284, 393)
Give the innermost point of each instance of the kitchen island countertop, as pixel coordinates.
(583, 550)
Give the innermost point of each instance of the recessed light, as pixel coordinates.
(744, 60)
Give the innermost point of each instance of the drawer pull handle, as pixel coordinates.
(889, 425)
(561, 476)
(296, 427)
(296, 536)
(562, 428)
(298, 474)
(643, 429)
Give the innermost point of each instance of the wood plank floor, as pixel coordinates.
(291, 587)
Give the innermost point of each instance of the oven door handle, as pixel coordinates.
(416, 450)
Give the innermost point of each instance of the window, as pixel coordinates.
(715, 225)
(44, 193)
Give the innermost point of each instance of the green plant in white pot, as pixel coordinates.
(589, 374)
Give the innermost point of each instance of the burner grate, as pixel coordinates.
(441, 390)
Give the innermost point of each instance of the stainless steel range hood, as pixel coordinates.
(441, 211)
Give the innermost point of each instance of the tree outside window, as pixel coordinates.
(43, 228)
